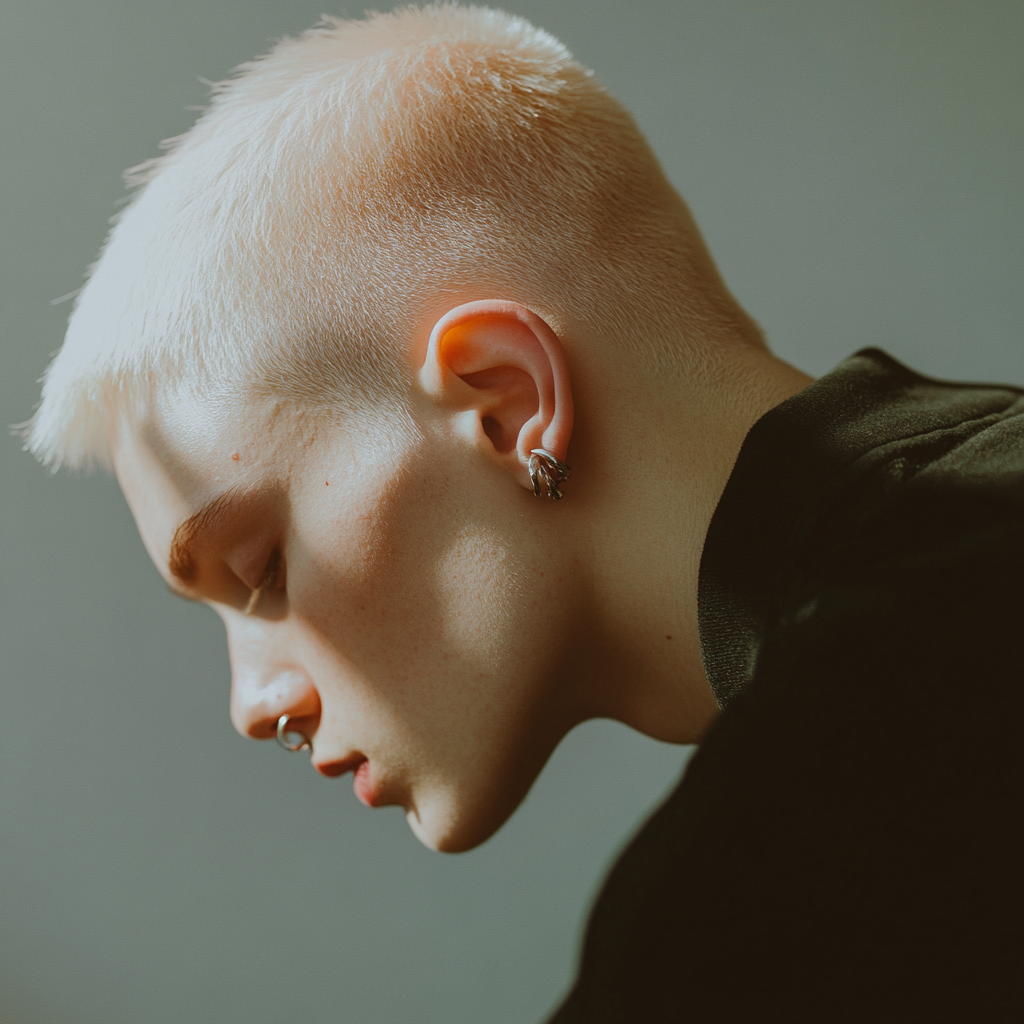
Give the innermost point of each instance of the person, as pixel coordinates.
(399, 277)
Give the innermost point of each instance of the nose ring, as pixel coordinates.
(283, 731)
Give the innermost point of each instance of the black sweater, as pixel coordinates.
(846, 845)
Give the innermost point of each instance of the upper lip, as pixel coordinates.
(333, 769)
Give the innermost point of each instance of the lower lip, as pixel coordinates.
(364, 787)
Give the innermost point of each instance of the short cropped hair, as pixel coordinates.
(354, 182)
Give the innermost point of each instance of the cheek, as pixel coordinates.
(436, 627)
(362, 579)
(479, 588)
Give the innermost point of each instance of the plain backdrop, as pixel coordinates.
(857, 170)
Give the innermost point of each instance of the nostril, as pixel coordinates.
(259, 720)
(260, 729)
(298, 729)
(259, 698)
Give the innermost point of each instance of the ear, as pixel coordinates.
(502, 373)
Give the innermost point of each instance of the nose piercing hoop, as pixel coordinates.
(283, 731)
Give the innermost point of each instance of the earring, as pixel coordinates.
(545, 466)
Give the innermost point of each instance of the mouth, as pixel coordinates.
(363, 784)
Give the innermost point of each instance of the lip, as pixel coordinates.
(332, 769)
(363, 783)
(365, 786)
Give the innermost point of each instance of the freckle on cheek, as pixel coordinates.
(234, 458)
(327, 483)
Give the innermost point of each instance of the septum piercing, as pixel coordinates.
(282, 731)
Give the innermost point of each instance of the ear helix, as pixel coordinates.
(546, 468)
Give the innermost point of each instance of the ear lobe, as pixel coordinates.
(502, 372)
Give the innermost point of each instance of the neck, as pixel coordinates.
(655, 470)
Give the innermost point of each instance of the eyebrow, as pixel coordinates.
(181, 562)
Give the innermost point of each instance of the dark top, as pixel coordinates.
(846, 844)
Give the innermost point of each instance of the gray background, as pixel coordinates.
(857, 170)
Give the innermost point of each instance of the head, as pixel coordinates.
(391, 259)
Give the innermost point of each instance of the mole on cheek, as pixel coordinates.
(234, 458)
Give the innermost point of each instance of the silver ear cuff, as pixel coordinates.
(283, 732)
(547, 468)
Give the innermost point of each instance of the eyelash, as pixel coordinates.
(270, 576)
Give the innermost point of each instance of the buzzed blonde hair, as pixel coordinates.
(358, 179)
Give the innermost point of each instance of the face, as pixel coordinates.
(396, 597)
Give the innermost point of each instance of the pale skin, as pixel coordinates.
(426, 621)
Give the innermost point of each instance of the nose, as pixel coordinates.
(268, 681)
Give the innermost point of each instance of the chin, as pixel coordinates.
(458, 813)
(445, 830)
